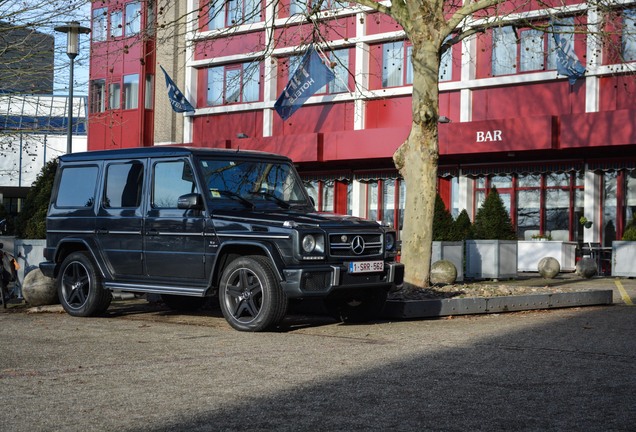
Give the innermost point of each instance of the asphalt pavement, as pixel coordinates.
(144, 368)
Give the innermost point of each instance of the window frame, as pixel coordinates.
(514, 40)
(130, 92)
(132, 26)
(97, 92)
(220, 15)
(335, 86)
(99, 23)
(217, 83)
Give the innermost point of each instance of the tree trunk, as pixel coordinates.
(417, 161)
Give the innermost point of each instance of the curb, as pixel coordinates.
(407, 309)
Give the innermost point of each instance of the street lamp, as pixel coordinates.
(72, 29)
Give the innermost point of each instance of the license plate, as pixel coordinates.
(366, 266)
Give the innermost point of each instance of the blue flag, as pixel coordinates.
(312, 73)
(568, 63)
(177, 99)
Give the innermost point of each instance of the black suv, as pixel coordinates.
(189, 223)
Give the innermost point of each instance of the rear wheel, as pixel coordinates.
(250, 296)
(80, 287)
(357, 306)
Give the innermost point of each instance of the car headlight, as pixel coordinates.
(309, 243)
(390, 241)
(313, 246)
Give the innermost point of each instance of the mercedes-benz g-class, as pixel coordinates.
(189, 223)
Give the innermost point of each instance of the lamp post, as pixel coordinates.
(72, 29)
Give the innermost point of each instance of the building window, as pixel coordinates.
(114, 96)
(100, 24)
(531, 53)
(116, 24)
(547, 204)
(386, 200)
(131, 91)
(98, 96)
(331, 196)
(397, 64)
(233, 84)
(234, 12)
(133, 18)
(504, 51)
(302, 6)
(340, 60)
(445, 65)
(148, 102)
(393, 64)
(528, 50)
(610, 207)
(629, 35)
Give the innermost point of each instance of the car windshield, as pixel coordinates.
(254, 183)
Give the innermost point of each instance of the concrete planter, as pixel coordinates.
(624, 258)
(29, 253)
(450, 251)
(491, 259)
(530, 252)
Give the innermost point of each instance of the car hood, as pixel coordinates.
(322, 220)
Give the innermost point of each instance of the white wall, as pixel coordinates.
(23, 155)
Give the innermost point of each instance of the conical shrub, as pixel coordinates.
(442, 221)
(492, 221)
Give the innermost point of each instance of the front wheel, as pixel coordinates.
(250, 296)
(357, 306)
(80, 287)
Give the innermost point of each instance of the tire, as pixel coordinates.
(183, 303)
(80, 287)
(250, 296)
(357, 306)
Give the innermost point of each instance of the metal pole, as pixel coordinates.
(69, 136)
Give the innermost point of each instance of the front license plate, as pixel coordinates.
(366, 266)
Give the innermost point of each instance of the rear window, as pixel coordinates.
(77, 187)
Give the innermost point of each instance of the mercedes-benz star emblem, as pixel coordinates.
(357, 245)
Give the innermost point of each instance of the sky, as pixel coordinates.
(62, 62)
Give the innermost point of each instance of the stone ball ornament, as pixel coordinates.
(39, 290)
(549, 267)
(586, 267)
(443, 272)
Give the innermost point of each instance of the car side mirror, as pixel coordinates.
(191, 201)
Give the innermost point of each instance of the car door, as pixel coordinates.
(119, 218)
(174, 243)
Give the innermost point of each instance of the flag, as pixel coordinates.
(310, 75)
(568, 63)
(177, 99)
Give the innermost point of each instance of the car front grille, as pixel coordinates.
(355, 245)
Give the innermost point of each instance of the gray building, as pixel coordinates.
(26, 60)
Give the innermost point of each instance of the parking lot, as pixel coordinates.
(142, 369)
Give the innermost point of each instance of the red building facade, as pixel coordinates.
(556, 151)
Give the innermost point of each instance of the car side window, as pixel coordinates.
(77, 187)
(124, 182)
(170, 180)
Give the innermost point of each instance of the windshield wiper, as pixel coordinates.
(245, 202)
(280, 202)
